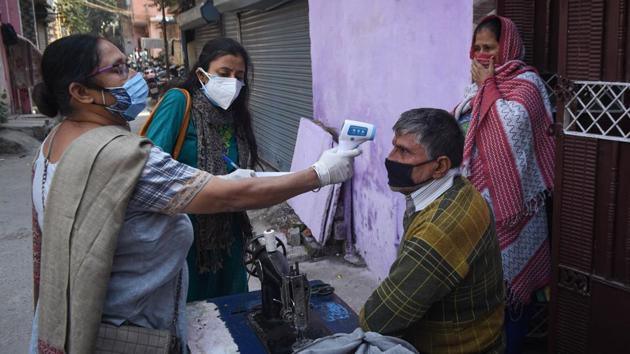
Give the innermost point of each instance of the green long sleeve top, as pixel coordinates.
(165, 126)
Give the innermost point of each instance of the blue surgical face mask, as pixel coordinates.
(131, 97)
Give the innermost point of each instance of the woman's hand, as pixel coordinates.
(335, 166)
(480, 73)
(222, 195)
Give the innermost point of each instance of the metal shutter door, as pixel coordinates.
(522, 13)
(592, 212)
(230, 25)
(537, 28)
(204, 34)
(585, 39)
(279, 44)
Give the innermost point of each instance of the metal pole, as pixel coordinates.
(168, 74)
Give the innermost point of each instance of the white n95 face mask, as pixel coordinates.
(221, 91)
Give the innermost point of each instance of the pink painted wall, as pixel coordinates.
(9, 12)
(371, 61)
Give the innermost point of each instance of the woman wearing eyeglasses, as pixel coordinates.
(110, 230)
(220, 125)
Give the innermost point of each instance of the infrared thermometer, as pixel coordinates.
(354, 133)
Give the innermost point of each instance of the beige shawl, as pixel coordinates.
(85, 210)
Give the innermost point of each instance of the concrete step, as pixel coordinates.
(35, 125)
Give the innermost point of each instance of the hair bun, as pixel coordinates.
(45, 100)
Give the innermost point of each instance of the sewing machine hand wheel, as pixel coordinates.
(253, 250)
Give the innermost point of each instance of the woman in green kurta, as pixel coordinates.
(220, 125)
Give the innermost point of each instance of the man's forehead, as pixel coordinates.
(406, 139)
(409, 142)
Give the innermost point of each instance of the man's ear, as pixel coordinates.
(444, 164)
(80, 93)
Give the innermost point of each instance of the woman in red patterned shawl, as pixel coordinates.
(509, 157)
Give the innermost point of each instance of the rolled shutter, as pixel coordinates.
(522, 13)
(278, 43)
(585, 39)
(204, 34)
(591, 213)
(230, 25)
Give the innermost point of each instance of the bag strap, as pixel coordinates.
(181, 136)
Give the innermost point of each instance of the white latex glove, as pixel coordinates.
(335, 166)
(237, 174)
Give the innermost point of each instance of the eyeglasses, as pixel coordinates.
(121, 69)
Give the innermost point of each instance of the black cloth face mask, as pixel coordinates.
(399, 174)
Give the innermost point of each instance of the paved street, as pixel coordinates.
(15, 252)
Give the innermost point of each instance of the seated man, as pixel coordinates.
(444, 292)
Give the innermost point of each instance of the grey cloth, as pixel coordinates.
(358, 342)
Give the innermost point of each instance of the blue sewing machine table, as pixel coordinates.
(329, 314)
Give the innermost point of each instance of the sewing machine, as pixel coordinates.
(287, 312)
(283, 322)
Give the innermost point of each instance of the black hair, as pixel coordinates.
(492, 24)
(66, 60)
(436, 130)
(212, 50)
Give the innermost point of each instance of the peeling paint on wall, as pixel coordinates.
(371, 61)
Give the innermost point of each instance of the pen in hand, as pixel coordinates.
(256, 174)
(230, 162)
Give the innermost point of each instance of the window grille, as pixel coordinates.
(598, 109)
